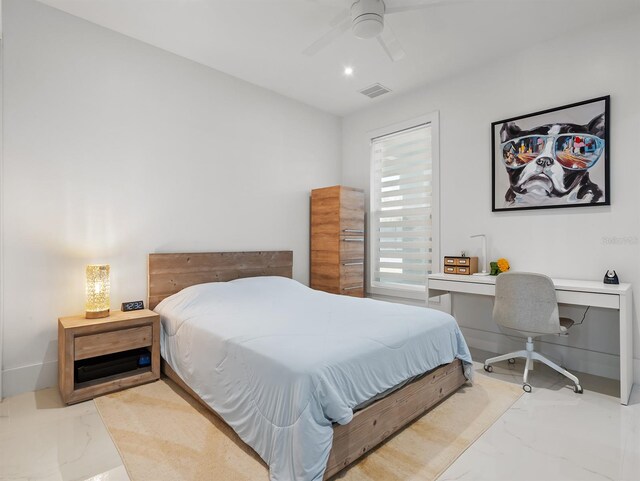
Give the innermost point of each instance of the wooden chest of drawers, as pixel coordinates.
(337, 240)
(460, 265)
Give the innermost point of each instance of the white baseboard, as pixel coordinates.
(573, 358)
(29, 378)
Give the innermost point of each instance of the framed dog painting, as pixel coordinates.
(554, 158)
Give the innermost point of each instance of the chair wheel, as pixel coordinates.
(512, 361)
(488, 368)
(526, 387)
(578, 389)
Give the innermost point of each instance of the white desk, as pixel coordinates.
(568, 291)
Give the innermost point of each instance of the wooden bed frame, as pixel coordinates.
(170, 273)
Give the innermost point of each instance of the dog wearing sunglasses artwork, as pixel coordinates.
(550, 163)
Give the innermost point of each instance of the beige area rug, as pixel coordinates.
(164, 434)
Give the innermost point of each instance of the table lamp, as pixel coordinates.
(484, 262)
(97, 291)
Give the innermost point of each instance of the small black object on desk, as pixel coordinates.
(611, 277)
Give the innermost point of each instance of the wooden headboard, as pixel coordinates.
(170, 273)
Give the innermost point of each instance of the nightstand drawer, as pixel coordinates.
(113, 341)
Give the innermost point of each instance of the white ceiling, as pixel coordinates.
(261, 41)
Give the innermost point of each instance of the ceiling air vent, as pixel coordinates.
(375, 90)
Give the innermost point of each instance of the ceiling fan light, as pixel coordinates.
(368, 25)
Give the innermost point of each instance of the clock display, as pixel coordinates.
(132, 306)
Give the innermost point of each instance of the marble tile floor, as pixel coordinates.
(550, 434)
(41, 439)
(554, 434)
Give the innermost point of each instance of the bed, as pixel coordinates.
(310, 380)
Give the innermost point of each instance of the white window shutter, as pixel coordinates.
(401, 214)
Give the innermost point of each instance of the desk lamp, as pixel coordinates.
(97, 291)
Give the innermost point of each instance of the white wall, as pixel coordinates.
(1, 203)
(570, 243)
(114, 149)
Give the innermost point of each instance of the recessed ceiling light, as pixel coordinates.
(348, 71)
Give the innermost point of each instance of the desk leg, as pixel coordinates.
(451, 303)
(626, 347)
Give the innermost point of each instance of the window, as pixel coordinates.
(403, 240)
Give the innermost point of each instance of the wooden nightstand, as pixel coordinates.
(88, 345)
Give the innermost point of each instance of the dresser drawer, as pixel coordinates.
(93, 345)
(351, 247)
(457, 270)
(352, 230)
(457, 261)
(353, 291)
(351, 273)
(351, 212)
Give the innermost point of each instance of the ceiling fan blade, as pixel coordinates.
(339, 25)
(390, 44)
(339, 18)
(408, 7)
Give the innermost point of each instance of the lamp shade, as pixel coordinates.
(97, 291)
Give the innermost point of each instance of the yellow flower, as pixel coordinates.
(503, 265)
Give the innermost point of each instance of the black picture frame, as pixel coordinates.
(557, 183)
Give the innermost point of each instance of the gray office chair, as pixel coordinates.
(526, 304)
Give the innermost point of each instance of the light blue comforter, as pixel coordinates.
(280, 362)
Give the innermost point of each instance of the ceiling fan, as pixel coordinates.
(366, 20)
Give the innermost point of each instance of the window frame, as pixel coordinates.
(420, 293)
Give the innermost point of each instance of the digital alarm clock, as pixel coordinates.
(132, 306)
